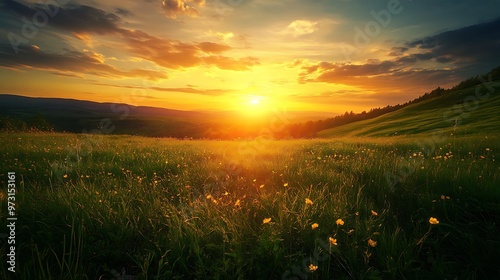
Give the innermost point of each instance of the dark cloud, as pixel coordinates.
(474, 46)
(79, 19)
(122, 12)
(69, 63)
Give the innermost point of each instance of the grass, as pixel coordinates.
(122, 207)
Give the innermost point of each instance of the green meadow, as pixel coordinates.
(124, 207)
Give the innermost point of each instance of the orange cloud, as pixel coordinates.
(229, 63)
(173, 8)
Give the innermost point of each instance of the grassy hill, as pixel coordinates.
(470, 113)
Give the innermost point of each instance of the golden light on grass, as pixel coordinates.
(339, 222)
(314, 226)
(374, 213)
(266, 221)
(372, 243)
(309, 202)
(433, 221)
(313, 267)
(237, 203)
(285, 185)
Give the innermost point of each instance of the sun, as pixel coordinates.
(254, 101)
(255, 105)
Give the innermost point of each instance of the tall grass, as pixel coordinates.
(120, 207)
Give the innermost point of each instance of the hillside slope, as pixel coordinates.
(472, 114)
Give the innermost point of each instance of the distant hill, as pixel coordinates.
(77, 116)
(471, 107)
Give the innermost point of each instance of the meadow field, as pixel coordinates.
(125, 207)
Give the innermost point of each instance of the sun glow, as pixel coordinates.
(255, 106)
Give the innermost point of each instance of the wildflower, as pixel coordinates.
(308, 201)
(285, 185)
(433, 221)
(65, 176)
(332, 241)
(339, 222)
(266, 220)
(314, 226)
(313, 267)
(372, 243)
(374, 213)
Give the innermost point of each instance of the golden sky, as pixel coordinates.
(326, 56)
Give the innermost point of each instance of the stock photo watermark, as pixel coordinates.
(11, 221)
(456, 115)
(31, 26)
(363, 36)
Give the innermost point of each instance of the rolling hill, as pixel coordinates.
(456, 111)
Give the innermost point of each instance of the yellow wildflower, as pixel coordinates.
(314, 226)
(308, 201)
(333, 241)
(433, 221)
(372, 243)
(285, 185)
(339, 222)
(266, 220)
(313, 267)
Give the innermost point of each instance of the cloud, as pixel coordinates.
(190, 89)
(79, 19)
(175, 54)
(84, 22)
(426, 62)
(173, 8)
(209, 92)
(69, 63)
(301, 27)
(379, 76)
(210, 47)
(229, 63)
(472, 48)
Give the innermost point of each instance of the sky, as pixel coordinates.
(301, 55)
